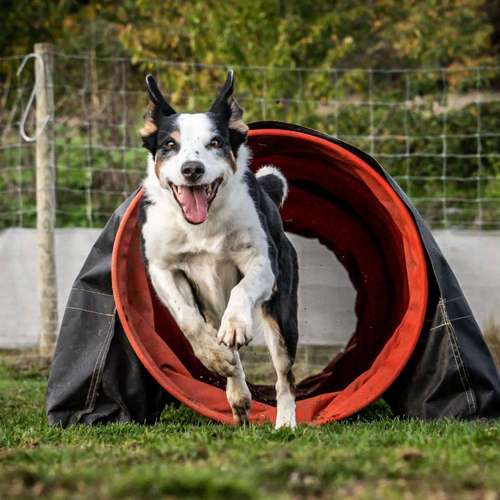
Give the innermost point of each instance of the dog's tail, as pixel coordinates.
(274, 183)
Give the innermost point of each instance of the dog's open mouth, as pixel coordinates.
(195, 200)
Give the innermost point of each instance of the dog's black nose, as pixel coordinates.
(192, 170)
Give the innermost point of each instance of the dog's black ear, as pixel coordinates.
(227, 106)
(157, 97)
(221, 103)
(157, 108)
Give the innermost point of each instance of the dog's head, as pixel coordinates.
(194, 154)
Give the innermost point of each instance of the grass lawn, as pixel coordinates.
(372, 456)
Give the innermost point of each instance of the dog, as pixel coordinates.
(214, 244)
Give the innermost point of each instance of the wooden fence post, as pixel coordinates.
(45, 199)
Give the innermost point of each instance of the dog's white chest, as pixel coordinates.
(206, 260)
(212, 256)
(212, 277)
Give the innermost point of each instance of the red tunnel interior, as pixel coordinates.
(340, 200)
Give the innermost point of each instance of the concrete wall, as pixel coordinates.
(326, 296)
(474, 257)
(18, 297)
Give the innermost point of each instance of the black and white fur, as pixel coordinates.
(234, 273)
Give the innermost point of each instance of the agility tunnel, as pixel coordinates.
(121, 357)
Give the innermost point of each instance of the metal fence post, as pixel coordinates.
(45, 199)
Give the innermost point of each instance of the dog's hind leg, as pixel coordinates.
(285, 383)
(238, 394)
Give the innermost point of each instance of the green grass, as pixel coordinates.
(372, 456)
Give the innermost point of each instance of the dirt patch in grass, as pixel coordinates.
(492, 336)
(24, 364)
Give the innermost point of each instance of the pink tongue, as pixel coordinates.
(194, 203)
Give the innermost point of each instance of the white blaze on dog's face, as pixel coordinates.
(194, 154)
(193, 158)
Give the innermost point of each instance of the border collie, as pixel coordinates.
(214, 245)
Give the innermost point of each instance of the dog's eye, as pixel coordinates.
(216, 142)
(170, 145)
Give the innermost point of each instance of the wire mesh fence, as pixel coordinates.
(436, 130)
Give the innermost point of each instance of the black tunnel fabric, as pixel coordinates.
(97, 377)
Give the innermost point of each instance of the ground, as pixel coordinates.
(371, 456)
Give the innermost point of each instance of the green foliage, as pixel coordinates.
(294, 62)
(299, 33)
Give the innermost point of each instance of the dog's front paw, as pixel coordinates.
(216, 358)
(235, 329)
